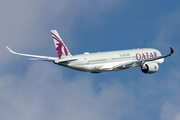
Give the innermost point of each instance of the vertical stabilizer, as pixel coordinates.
(61, 48)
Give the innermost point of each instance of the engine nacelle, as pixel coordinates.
(150, 67)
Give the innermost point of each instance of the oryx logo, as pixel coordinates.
(155, 67)
(61, 49)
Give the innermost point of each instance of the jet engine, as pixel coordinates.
(150, 67)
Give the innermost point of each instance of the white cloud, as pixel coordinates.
(171, 106)
(178, 116)
(41, 91)
(46, 94)
(169, 112)
(168, 28)
(35, 90)
(25, 25)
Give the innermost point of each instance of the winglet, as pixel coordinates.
(172, 51)
(10, 50)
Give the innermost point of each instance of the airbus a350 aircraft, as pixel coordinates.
(147, 59)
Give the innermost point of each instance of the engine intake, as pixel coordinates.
(150, 68)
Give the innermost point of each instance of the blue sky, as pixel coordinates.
(42, 90)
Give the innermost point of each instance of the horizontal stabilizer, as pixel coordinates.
(40, 59)
(63, 61)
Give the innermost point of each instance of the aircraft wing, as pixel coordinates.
(141, 62)
(35, 57)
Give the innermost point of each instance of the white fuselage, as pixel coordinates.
(104, 61)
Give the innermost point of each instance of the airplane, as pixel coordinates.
(148, 59)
